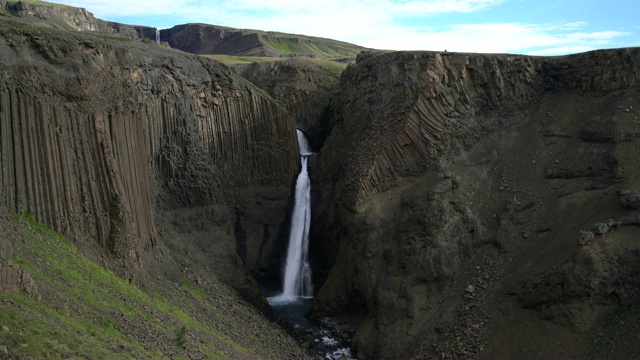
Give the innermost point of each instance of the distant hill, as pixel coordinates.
(207, 39)
(202, 39)
(229, 45)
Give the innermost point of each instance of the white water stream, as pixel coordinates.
(157, 36)
(297, 274)
(297, 292)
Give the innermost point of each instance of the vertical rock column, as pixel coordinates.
(84, 175)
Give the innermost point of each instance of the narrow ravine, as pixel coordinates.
(295, 301)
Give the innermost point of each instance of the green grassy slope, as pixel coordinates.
(333, 67)
(296, 44)
(88, 312)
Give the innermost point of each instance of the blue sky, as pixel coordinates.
(534, 27)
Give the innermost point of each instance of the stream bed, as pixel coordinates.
(320, 340)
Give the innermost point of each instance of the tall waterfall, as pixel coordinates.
(157, 36)
(297, 274)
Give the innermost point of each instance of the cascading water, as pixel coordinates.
(296, 298)
(157, 36)
(297, 273)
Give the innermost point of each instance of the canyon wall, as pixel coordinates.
(109, 140)
(206, 39)
(456, 190)
(309, 91)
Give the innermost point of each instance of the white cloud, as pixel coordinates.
(320, 8)
(574, 25)
(500, 38)
(442, 6)
(106, 9)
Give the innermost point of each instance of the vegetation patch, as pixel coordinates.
(287, 47)
(88, 312)
(194, 290)
(333, 67)
(181, 337)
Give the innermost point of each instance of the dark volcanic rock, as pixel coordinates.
(206, 39)
(630, 199)
(308, 90)
(13, 278)
(127, 135)
(453, 169)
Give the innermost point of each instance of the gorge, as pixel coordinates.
(463, 205)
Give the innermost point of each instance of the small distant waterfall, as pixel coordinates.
(157, 36)
(297, 274)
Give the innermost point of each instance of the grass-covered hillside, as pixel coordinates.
(205, 39)
(81, 310)
(333, 67)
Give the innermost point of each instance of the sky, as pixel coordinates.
(532, 27)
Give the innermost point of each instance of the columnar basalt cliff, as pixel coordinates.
(102, 140)
(450, 171)
(309, 91)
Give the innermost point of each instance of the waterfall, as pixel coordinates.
(157, 36)
(297, 273)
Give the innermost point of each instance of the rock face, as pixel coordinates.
(205, 39)
(455, 171)
(15, 279)
(106, 140)
(307, 90)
